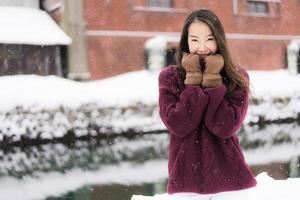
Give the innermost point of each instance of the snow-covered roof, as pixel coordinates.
(21, 25)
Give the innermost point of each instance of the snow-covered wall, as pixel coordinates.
(49, 108)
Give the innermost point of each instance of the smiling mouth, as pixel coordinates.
(204, 55)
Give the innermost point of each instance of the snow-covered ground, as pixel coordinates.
(266, 188)
(52, 92)
(124, 90)
(33, 106)
(273, 143)
(48, 107)
(275, 95)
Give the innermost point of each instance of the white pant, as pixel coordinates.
(236, 195)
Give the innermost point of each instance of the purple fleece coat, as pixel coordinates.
(204, 152)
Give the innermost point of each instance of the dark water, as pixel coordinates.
(94, 155)
(112, 192)
(22, 163)
(123, 192)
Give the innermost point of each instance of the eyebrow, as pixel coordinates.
(197, 36)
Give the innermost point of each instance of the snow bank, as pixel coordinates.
(267, 188)
(21, 25)
(50, 107)
(129, 88)
(126, 89)
(275, 95)
(51, 92)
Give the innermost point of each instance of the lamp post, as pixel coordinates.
(155, 51)
(293, 57)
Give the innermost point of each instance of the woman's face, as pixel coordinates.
(200, 39)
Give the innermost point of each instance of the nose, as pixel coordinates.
(201, 48)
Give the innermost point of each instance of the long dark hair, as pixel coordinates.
(230, 73)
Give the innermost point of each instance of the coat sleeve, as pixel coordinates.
(225, 115)
(181, 112)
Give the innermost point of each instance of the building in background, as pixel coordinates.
(30, 41)
(258, 31)
(110, 37)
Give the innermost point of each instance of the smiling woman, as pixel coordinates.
(200, 39)
(203, 102)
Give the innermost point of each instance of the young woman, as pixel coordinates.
(203, 101)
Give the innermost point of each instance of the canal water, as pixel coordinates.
(116, 168)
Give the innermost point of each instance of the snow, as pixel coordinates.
(266, 188)
(274, 83)
(277, 92)
(294, 45)
(123, 90)
(278, 153)
(130, 99)
(21, 25)
(156, 43)
(51, 92)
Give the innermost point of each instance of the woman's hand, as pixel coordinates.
(211, 76)
(191, 64)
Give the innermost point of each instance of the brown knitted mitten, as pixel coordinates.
(213, 66)
(191, 64)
